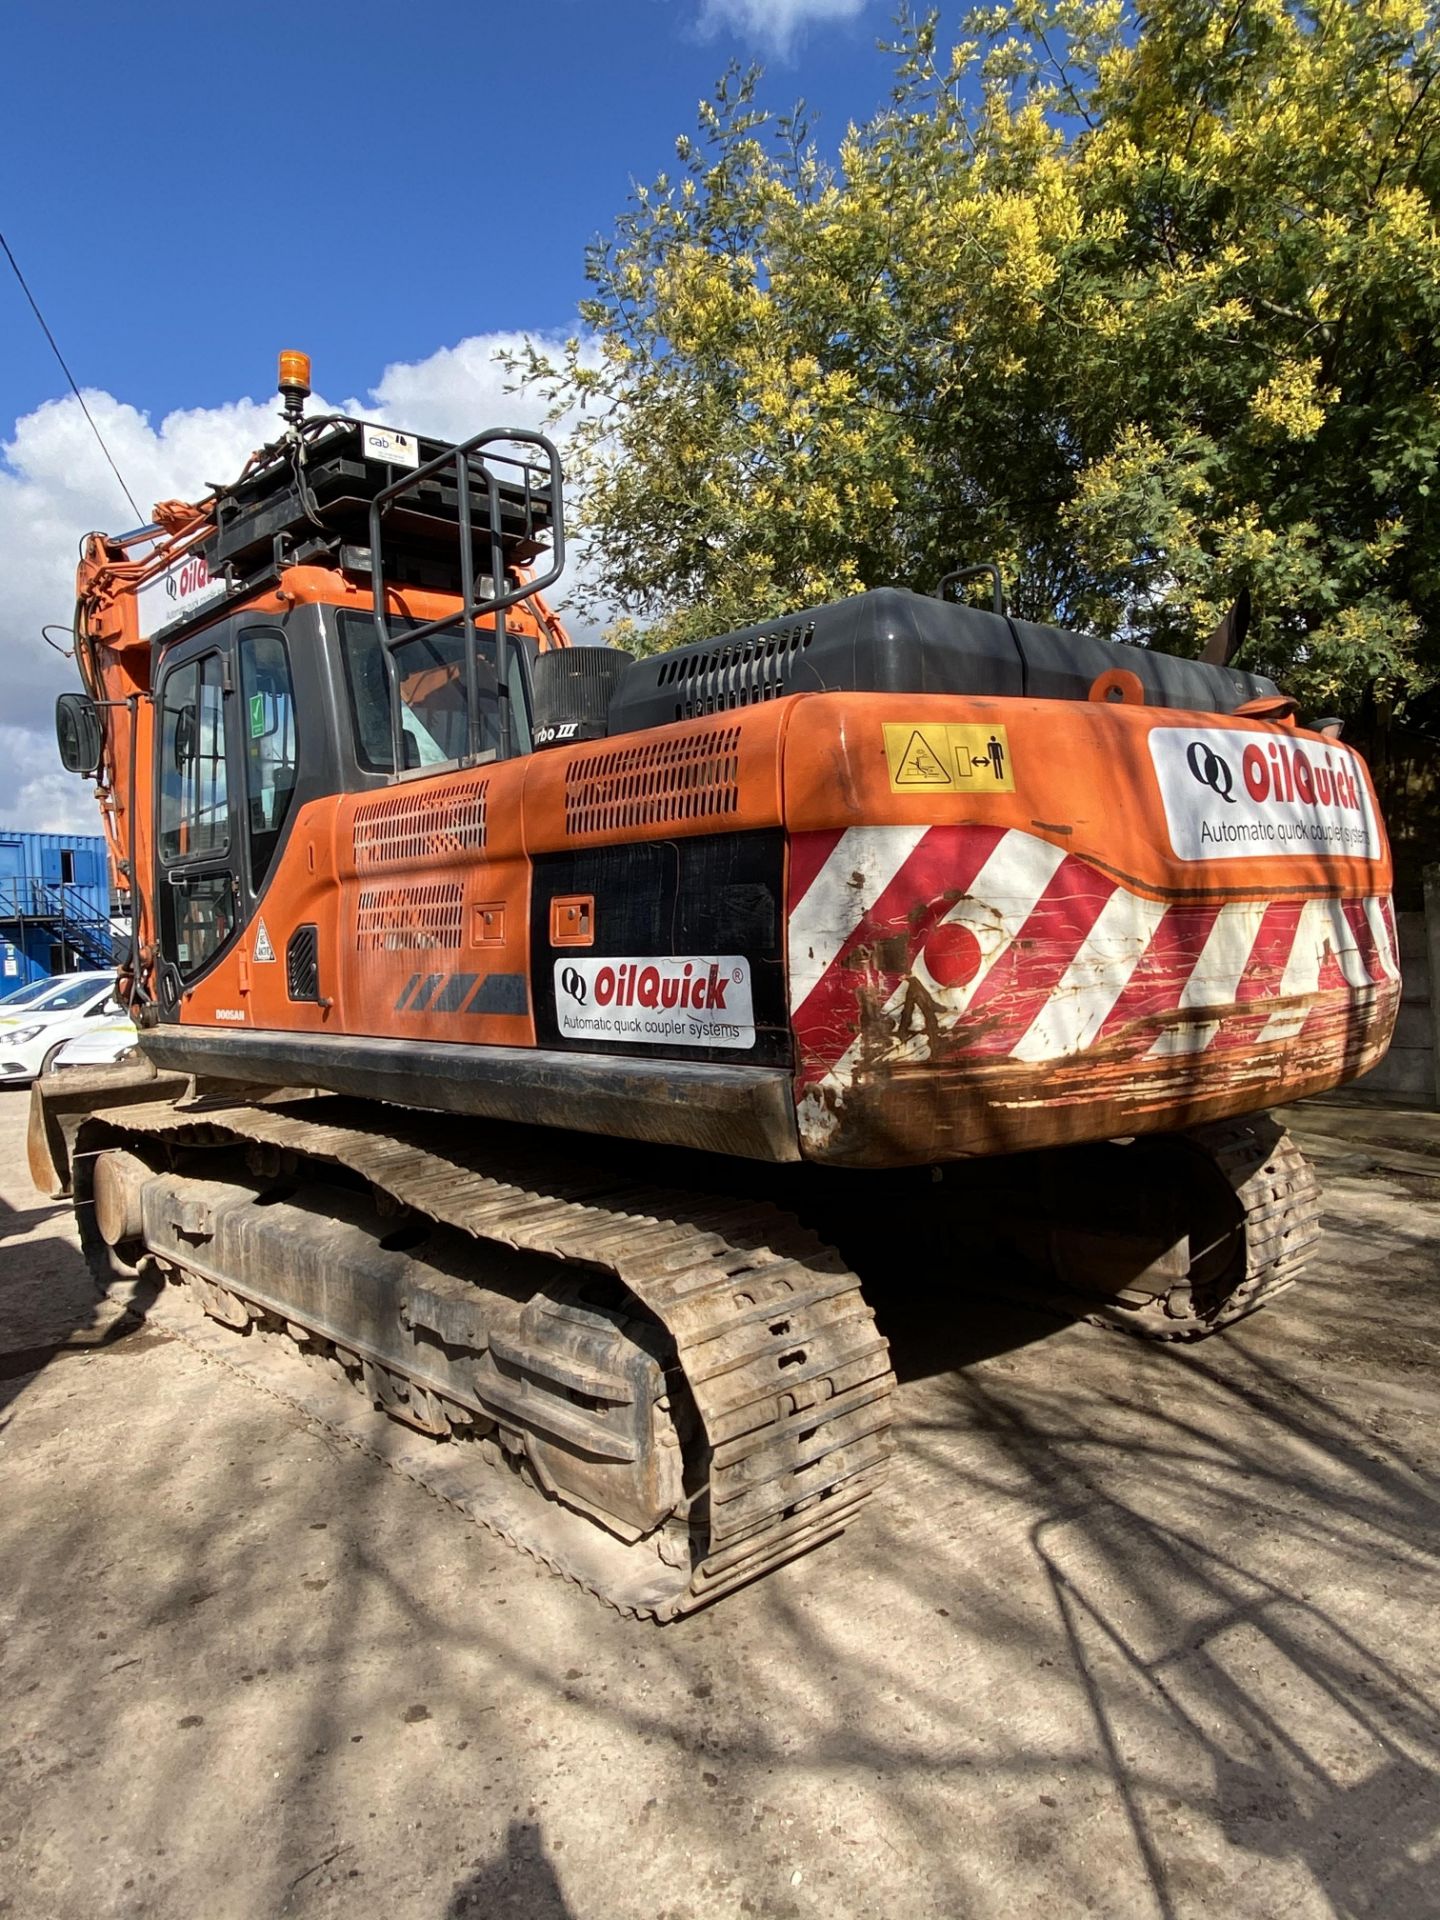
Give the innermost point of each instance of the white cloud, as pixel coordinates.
(776, 23)
(55, 487)
(38, 793)
(460, 389)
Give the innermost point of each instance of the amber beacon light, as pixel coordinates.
(294, 382)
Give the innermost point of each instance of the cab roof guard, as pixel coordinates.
(481, 593)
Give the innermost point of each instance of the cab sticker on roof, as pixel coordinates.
(396, 449)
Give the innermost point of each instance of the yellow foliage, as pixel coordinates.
(1144, 301)
(1291, 403)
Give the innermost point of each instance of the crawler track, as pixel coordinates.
(789, 1377)
(1272, 1230)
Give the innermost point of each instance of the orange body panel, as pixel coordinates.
(1083, 780)
(1124, 988)
(980, 971)
(995, 930)
(447, 857)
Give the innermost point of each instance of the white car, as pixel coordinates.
(101, 1045)
(27, 995)
(31, 1036)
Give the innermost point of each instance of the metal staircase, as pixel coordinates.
(64, 915)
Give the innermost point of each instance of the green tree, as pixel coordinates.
(1142, 301)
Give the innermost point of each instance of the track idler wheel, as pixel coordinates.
(118, 1180)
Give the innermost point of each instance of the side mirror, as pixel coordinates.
(77, 731)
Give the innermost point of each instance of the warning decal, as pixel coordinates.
(940, 758)
(263, 948)
(919, 764)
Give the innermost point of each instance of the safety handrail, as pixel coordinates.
(23, 897)
(497, 601)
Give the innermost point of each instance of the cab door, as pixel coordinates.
(228, 770)
(196, 837)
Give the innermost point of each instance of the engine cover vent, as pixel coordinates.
(892, 641)
(405, 919)
(658, 784)
(733, 673)
(424, 823)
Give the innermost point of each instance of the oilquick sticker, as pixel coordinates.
(653, 1002)
(1233, 795)
(177, 593)
(398, 449)
(934, 757)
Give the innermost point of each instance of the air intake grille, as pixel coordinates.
(421, 824)
(734, 673)
(403, 919)
(656, 785)
(302, 964)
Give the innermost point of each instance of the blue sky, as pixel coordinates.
(369, 182)
(399, 190)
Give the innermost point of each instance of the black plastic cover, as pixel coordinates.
(893, 641)
(571, 690)
(77, 732)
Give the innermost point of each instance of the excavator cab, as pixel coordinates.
(347, 620)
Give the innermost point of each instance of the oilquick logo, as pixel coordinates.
(1210, 769)
(1237, 794)
(181, 590)
(650, 1001)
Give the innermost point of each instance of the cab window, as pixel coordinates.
(434, 713)
(197, 890)
(194, 808)
(267, 717)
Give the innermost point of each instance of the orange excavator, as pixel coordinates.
(514, 1014)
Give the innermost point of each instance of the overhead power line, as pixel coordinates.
(35, 309)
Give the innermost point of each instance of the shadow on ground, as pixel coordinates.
(520, 1880)
(50, 1309)
(1138, 1632)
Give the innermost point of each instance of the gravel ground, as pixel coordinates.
(1139, 1631)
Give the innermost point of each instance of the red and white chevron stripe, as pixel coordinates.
(912, 944)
